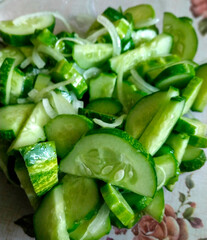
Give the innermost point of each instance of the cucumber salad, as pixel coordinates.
(94, 128)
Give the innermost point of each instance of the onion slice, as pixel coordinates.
(112, 32)
(48, 109)
(116, 123)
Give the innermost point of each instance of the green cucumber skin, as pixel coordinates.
(21, 40)
(198, 141)
(5, 81)
(108, 106)
(193, 164)
(183, 32)
(100, 136)
(201, 99)
(117, 204)
(43, 171)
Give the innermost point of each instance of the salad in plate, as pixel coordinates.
(93, 129)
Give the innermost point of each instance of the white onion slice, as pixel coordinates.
(116, 123)
(26, 62)
(76, 103)
(113, 33)
(48, 109)
(141, 84)
(91, 72)
(94, 36)
(51, 52)
(37, 60)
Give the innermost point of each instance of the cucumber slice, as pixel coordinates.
(143, 112)
(156, 208)
(81, 199)
(92, 114)
(19, 31)
(6, 72)
(193, 159)
(159, 46)
(12, 118)
(42, 81)
(165, 119)
(201, 99)
(123, 28)
(168, 165)
(32, 131)
(178, 142)
(199, 141)
(66, 130)
(117, 204)
(177, 75)
(191, 126)
(23, 176)
(141, 14)
(64, 71)
(92, 55)
(183, 33)
(190, 93)
(49, 219)
(102, 86)
(152, 65)
(11, 52)
(115, 157)
(95, 228)
(108, 106)
(41, 162)
(17, 85)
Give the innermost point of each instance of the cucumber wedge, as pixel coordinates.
(117, 204)
(92, 55)
(201, 99)
(11, 52)
(32, 131)
(19, 31)
(183, 33)
(49, 219)
(66, 130)
(115, 157)
(12, 119)
(6, 72)
(159, 46)
(41, 162)
(165, 119)
(94, 228)
(156, 208)
(145, 109)
(81, 199)
(199, 141)
(177, 75)
(193, 159)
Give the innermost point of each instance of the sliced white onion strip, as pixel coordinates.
(33, 93)
(94, 36)
(57, 15)
(46, 90)
(76, 103)
(112, 32)
(37, 60)
(51, 52)
(48, 109)
(26, 62)
(79, 69)
(147, 23)
(141, 84)
(116, 123)
(91, 72)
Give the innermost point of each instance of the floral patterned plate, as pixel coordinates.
(186, 207)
